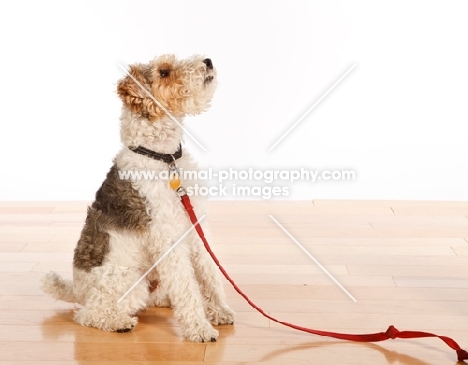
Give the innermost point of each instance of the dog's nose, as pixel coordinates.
(208, 63)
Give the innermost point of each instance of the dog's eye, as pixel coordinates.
(164, 73)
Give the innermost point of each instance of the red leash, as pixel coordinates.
(391, 332)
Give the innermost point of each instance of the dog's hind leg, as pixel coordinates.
(102, 291)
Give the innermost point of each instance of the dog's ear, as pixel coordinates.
(132, 93)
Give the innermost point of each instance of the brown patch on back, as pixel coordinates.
(118, 206)
(93, 244)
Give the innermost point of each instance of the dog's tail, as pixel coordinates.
(59, 288)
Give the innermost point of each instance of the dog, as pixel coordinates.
(132, 223)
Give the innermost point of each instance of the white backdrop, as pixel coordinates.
(398, 118)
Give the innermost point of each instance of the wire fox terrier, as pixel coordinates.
(131, 224)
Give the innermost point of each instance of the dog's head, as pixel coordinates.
(183, 87)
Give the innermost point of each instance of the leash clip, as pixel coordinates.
(174, 176)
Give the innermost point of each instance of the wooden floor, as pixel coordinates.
(406, 263)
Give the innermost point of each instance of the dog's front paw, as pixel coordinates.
(124, 324)
(222, 315)
(202, 333)
(125, 329)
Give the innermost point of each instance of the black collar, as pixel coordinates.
(166, 157)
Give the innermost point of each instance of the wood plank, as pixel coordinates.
(286, 249)
(315, 280)
(11, 246)
(59, 351)
(301, 292)
(431, 282)
(277, 239)
(49, 247)
(25, 209)
(308, 269)
(353, 207)
(440, 208)
(458, 271)
(16, 266)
